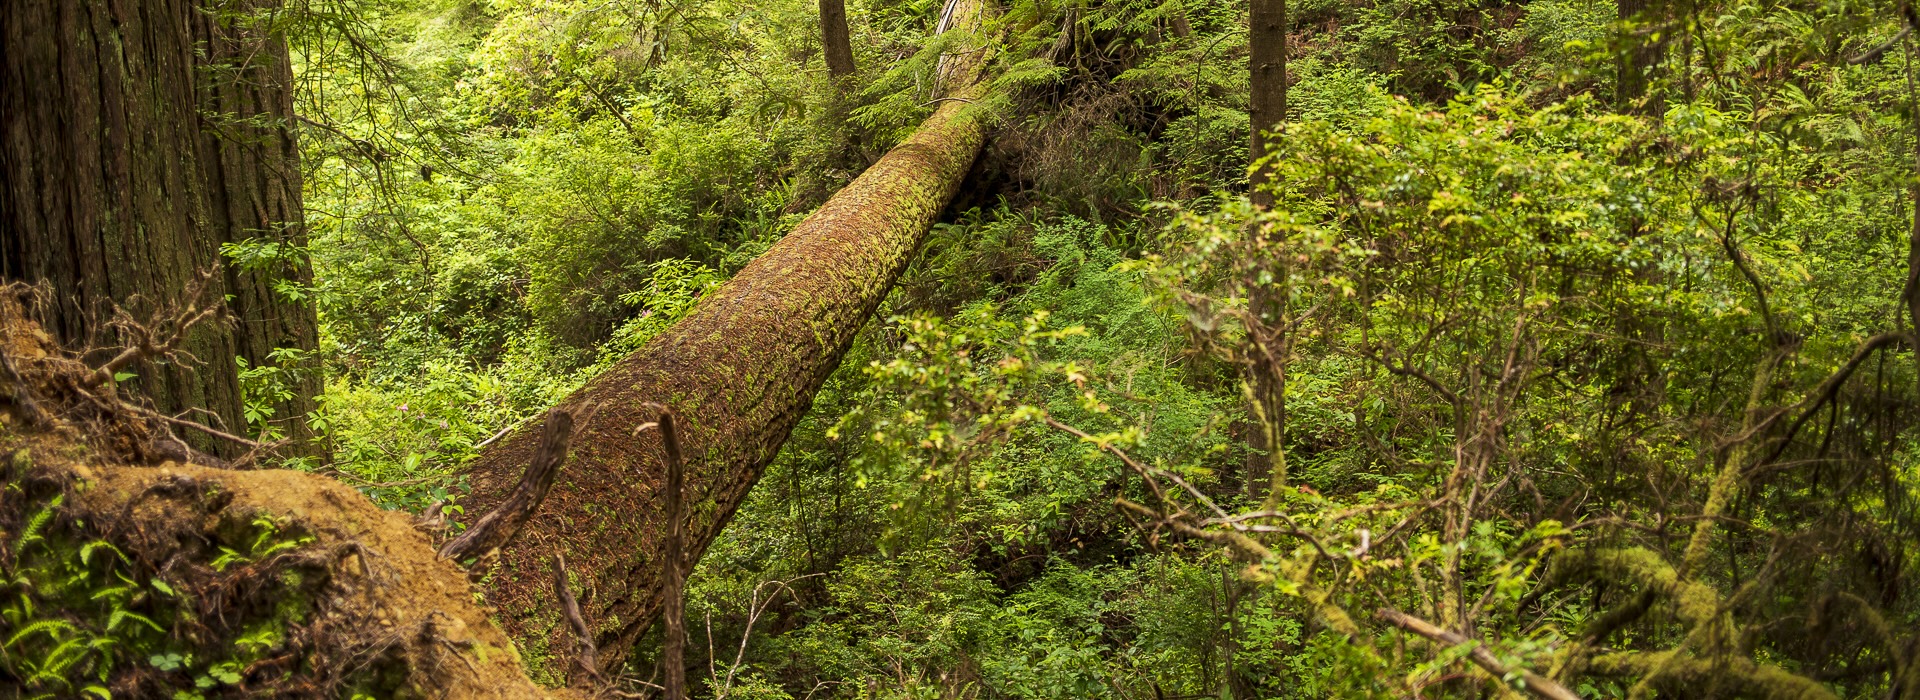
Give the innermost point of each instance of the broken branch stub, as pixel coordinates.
(498, 526)
(586, 669)
(674, 613)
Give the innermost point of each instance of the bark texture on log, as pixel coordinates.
(739, 371)
(138, 138)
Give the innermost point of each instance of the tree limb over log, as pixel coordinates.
(585, 673)
(499, 525)
(741, 370)
(674, 592)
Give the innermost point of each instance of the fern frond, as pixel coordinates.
(39, 521)
(48, 626)
(63, 657)
(87, 550)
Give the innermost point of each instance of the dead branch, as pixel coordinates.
(497, 528)
(756, 607)
(1406, 369)
(1828, 389)
(1873, 55)
(1539, 685)
(1145, 472)
(207, 429)
(586, 667)
(674, 615)
(145, 341)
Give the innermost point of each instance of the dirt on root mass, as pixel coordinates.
(340, 597)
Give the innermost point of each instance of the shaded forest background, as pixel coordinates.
(1579, 328)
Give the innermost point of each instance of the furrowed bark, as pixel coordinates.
(139, 138)
(739, 371)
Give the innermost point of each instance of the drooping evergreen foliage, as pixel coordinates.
(1593, 333)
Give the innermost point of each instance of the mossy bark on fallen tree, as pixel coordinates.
(740, 371)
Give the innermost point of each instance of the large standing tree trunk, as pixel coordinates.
(139, 137)
(740, 371)
(835, 39)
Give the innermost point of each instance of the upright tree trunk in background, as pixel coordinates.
(1267, 109)
(139, 137)
(1177, 22)
(739, 371)
(1635, 56)
(834, 37)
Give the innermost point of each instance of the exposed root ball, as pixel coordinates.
(232, 583)
(125, 576)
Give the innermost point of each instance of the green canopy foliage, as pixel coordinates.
(1614, 381)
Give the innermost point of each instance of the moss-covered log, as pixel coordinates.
(740, 370)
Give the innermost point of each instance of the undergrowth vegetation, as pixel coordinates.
(1583, 337)
(88, 619)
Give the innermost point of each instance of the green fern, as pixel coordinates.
(119, 616)
(66, 655)
(38, 522)
(48, 626)
(87, 550)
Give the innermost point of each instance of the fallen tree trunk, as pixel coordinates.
(740, 371)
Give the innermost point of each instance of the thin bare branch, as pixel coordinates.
(586, 669)
(674, 614)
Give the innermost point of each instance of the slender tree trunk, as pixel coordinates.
(139, 138)
(834, 37)
(1636, 56)
(740, 371)
(1267, 108)
(1911, 292)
